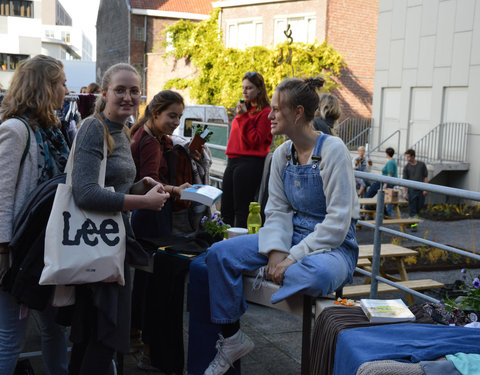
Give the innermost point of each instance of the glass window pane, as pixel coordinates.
(280, 27)
(259, 34)
(246, 35)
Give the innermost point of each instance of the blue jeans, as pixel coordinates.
(12, 336)
(315, 275)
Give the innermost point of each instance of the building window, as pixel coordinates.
(139, 33)
(49, 34)
(303, 28)
(66, 37)
(242, 34)
(9, 62)
(16, 8)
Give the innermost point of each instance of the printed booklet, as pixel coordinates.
(204, 194)
(386, 311)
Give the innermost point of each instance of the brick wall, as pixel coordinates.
(352, 31)
(112, 35)
(159, 70)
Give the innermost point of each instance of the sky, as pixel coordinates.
(84, 15)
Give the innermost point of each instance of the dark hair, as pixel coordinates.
(410, 152)
(301, 92)
(262, 97)
(158, 104)
(390, 151)
(93, 88)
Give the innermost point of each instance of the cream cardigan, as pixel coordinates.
(17, 181)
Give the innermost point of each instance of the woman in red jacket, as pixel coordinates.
(248, 144)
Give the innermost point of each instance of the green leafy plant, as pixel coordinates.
(214, 225)
(470, 301)
(219, 70)
(200, 129)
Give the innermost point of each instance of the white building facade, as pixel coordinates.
(29, 28)
(427, 72)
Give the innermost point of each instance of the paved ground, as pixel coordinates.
(277, 335)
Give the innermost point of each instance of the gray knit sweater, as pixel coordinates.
(86, 166)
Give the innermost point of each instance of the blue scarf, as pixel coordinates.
(52, 152)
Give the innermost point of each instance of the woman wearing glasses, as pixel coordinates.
(101, 318)
(248, 144)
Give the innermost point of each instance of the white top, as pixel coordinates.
(341, 200)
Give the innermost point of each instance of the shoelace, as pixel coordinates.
(219, 347)
(259, 279)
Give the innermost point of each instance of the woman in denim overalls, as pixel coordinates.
(308, 243)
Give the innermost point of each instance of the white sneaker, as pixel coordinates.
(228, 351)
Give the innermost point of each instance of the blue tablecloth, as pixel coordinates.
(401, 342)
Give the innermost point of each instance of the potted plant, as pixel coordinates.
(215, 226)
(201, 136)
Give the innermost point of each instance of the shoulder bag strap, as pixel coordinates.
(27, 146)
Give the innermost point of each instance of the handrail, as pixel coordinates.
(357, 136)
(341, 123)
(375, 269)
(386, 139)
(446, 142)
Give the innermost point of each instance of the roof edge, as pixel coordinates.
(168, 14)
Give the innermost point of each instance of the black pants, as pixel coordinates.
(416, 199)
(241, 181)
(91, 357)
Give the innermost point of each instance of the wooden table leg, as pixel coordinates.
(403, 276)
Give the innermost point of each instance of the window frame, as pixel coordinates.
(255, 21)
(286, 17)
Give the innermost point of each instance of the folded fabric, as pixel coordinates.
(466, 364)
(401, 342)
(443, 367)
(389, 367)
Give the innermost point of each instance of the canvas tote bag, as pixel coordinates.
(83, 246)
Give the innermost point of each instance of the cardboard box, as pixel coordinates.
(391, 195)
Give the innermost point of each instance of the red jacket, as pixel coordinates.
(250, 134)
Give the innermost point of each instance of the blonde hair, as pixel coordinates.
(329, 107)
(101, 102)
(107, 79)
(31, 91)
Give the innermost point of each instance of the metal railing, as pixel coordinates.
(370, 151)
(447, 142)
(378, 227)
(354, 132)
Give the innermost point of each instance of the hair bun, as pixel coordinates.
(314, 83)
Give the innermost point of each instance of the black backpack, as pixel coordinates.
(27, 247)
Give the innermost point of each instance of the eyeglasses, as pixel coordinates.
(120, 92)
(250, 74)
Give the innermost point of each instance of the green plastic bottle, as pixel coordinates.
(254, 220)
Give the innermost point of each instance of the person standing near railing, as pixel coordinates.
(328, 113)
(414, 170)
(362, 164)
(390, 170)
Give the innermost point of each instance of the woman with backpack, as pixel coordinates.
(32, 150)
(101, 316)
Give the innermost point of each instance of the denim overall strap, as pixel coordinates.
(304, 189)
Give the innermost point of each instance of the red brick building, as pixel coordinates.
(133, 31)
(348, 26)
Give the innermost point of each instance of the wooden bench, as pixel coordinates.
(364, 289)
(394, 221)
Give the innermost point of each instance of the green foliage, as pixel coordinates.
(214, 225)
(221, 69)
(470, 301)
